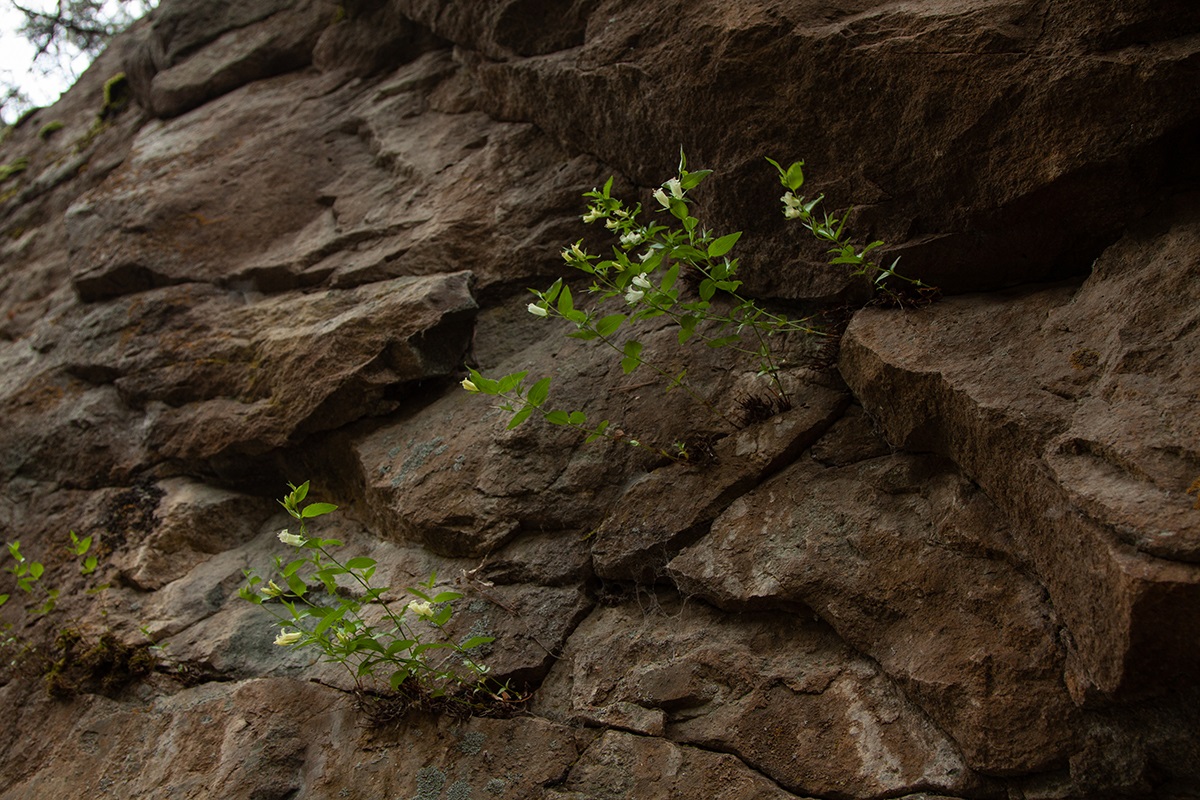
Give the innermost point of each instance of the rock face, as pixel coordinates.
(964, 563)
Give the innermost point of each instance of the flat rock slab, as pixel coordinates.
(1074, 410)
(903, 557)
(666, 509)
(783, 694)
(621, 765)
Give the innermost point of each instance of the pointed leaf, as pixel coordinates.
(723, 245)
(317, 509)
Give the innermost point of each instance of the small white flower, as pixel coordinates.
(288, 637)
(611, 224)
(641, 282)
(574, 253)
(662, 198)
(790, 200)
(633, 296)
(646, 256)
(295, 540)
(632, 238)
(272, 590)
(537, 310)
(675, 188)
(469, 385)
(593, 215)
(421, 609)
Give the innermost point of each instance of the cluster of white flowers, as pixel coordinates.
(791, 205)
(674, 187)
(421, 609)
(637, 289)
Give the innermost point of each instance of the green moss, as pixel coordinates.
(105, 666)
(49, 129)
(117, 94)
(14, 168)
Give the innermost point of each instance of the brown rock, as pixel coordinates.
(619, 765)
(666, 509)
(812, 716)
(904, 558)
(1069, 409)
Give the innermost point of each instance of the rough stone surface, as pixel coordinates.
(906, 560)
(809, 713)
(964, 565)
(1044, 398)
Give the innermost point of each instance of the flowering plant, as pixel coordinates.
(360, 628)
(645, 271)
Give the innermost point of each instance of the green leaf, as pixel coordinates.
(477, 641)
(484, 385)
(317, 510)
(565, 304)
(723, 245)
(446, 597)
(687, 327)
(794, 177)
(608, 185)
(328, 618)
(577, 418)
(399, 646)
(607, 326)
(397, 679)
(3, 599)
(583, 334)
(89, 566)
(724, 341)
(510, 382)
(538, 393)
(708, 288)
(679, 209)
(557, 417)
(36, 569)
(297, 585)
(693, 179)
(442, 617)
(633, 350)
(299, 492)
(669, 278)
(360, 562)
(519, 417)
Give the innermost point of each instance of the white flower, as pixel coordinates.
(641, 282)
(469, 385)
(662, 199)
(421, 609)
(574, 253)
(792, 205)
(646, 256)
(288, 637)
(593, 215)
(675, 187)
(272, 590)
(632, 238)
(633, 296)
(295, 540)
(537, 310)
(611, 224)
